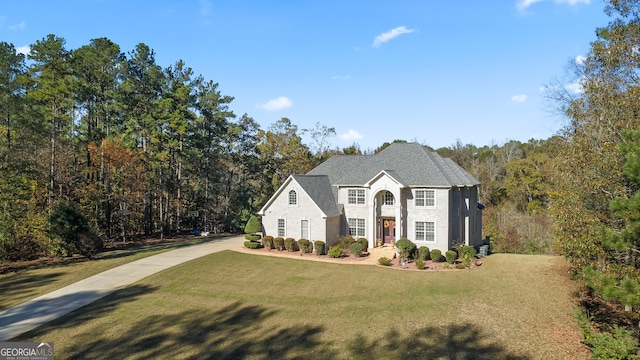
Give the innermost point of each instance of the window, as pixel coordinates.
(356, 227)
(304, 229)
(356, 196)
(293, 198)
(425, 231)
(281, 228)
(388, 198)
(425, 198)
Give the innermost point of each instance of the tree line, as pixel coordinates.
(135, 148)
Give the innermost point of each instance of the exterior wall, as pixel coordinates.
(438, 214)
(305, 209)
(332, 231)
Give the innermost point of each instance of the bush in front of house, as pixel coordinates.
(253, 226)
(364, 242)
(406, 249)
(252, 245)
(384, 261)
(290, 244)
(356, 249)
(419, 263)
(451, 256)
(345, 242)
(335, 252)
(436, 255)
(305, 246)
(318, 246)
(279, 243)
(267, 242)
(252, 237)
(423, 252)
(467, 254)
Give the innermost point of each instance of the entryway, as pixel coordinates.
(387, 228)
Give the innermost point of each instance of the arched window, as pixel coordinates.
(388, 198)
(293, 198)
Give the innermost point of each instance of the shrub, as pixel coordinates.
(253, 226)
(252, 237)
(279, 243)
(620, 344)
(305, 246)
(267, 242)
(467, 253)
(252, 245)
(419, 263)
(423, 252)
(345, 242)
(435, 255)
(364, 242)
(406, 249)
(335, 251)
(451, 256)
(384, 261)
(69, 225)
(290, 244)
(318, 246)
(356, 249)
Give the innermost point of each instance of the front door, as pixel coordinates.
(388, 230)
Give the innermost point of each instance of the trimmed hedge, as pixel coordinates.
(384, 261)
(345, 242)
(406, 249)
(267, 242)
(279, 243)
(290, 244)
(364, 242)
(335, 252)
(305, 246)
(356, 249)
(419, 264)
(252, 237)
(436, 255)
(252, 245)
(423, 252)
(451, 256)
(318, 246)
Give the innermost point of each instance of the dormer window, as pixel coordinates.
(293, 197)
(388, 198)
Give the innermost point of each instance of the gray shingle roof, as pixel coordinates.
(319, 190)
(409, 162)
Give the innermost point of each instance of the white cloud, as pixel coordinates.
(580, 59)
(277, 104)
(575, 87)
(384, 37)
(519, 99)
(350, 136)
(20, 26)
(25, 50)
(525, 4)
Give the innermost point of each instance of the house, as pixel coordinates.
(404, 191)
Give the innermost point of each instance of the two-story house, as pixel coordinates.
(404, 191)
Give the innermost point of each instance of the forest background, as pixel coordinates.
(110, 146)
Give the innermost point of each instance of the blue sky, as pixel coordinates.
(428, 71)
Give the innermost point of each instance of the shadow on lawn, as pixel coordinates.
(240, 331)
(20, 285)
(463, 341)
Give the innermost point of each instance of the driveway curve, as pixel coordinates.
(39, 311)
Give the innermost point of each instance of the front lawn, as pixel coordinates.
(230, 305)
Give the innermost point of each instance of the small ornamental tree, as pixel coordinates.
(253, 226)
(406, 249)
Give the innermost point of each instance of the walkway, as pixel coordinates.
(41, 310)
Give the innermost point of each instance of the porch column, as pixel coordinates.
(400, 229)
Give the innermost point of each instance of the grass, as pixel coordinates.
(230, 305)
(22, 285)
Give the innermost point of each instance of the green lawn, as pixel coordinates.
(19, 286)
(237, 306)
